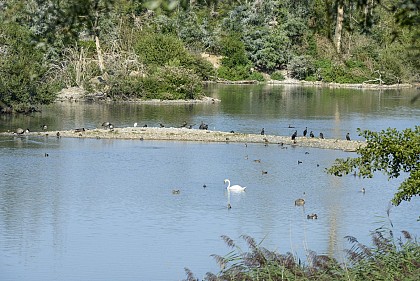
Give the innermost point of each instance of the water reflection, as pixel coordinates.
(334, 112)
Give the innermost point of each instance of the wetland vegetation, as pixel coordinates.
(119, 50)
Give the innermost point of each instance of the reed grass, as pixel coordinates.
(389, 258)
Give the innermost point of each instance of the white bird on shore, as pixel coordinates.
(234, 187)
(135, 124)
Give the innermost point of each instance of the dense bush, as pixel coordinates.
(339, 72)
(177, 83)
(23, 74)
(157, 50)
(268, 50)
(235, 63)
(166, 83)
(301, 67)
(277, 75)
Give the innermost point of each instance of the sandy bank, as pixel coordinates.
(184, 134)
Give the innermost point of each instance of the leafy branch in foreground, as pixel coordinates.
(391, 151)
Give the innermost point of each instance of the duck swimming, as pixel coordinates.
(300, 201)
(312, 216)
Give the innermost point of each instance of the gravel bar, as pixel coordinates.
(184, 134)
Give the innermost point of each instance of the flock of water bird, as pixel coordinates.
(230, 188)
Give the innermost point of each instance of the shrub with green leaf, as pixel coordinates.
(23, 75)
(390, 151)
(166, 83)
(268, 49)
(235, 63)
(301, 67)
(277, 75)
(157, 50)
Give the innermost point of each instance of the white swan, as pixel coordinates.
(234, 187)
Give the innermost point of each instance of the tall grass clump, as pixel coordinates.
(388, 259)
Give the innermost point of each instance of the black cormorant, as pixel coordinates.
(294, 135)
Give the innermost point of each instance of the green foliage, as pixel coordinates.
(190, 31)
(166, 83)
(392, 152)
(235, 73)
(301, 67)
(159, 49)
(178, 83)
(267, 50)
(235, 63)
(249, 35)
(233, 51)
(256, 76)
(295, 29)
(277, 75)
(388, 259)
(23, 76)
(127, 88)
(339, 72)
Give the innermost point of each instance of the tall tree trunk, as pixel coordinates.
(97, 43)
(339, 26)
(99, 54)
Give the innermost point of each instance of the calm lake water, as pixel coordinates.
(104, 209)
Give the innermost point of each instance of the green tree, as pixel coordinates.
(268, 49)
(23, 74)
(391, 151)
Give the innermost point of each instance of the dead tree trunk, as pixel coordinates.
(339, 26)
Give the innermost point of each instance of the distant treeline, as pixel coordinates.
(153, 49)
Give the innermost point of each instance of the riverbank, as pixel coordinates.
(77, 94)
(361, 86)
(184, 134)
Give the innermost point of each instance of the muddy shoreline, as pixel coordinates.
(196, 135)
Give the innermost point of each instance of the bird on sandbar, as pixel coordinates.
(305, 131)
(348, 136)
(19, 131)
(294, 135)
(106, 124)
(203, 126)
